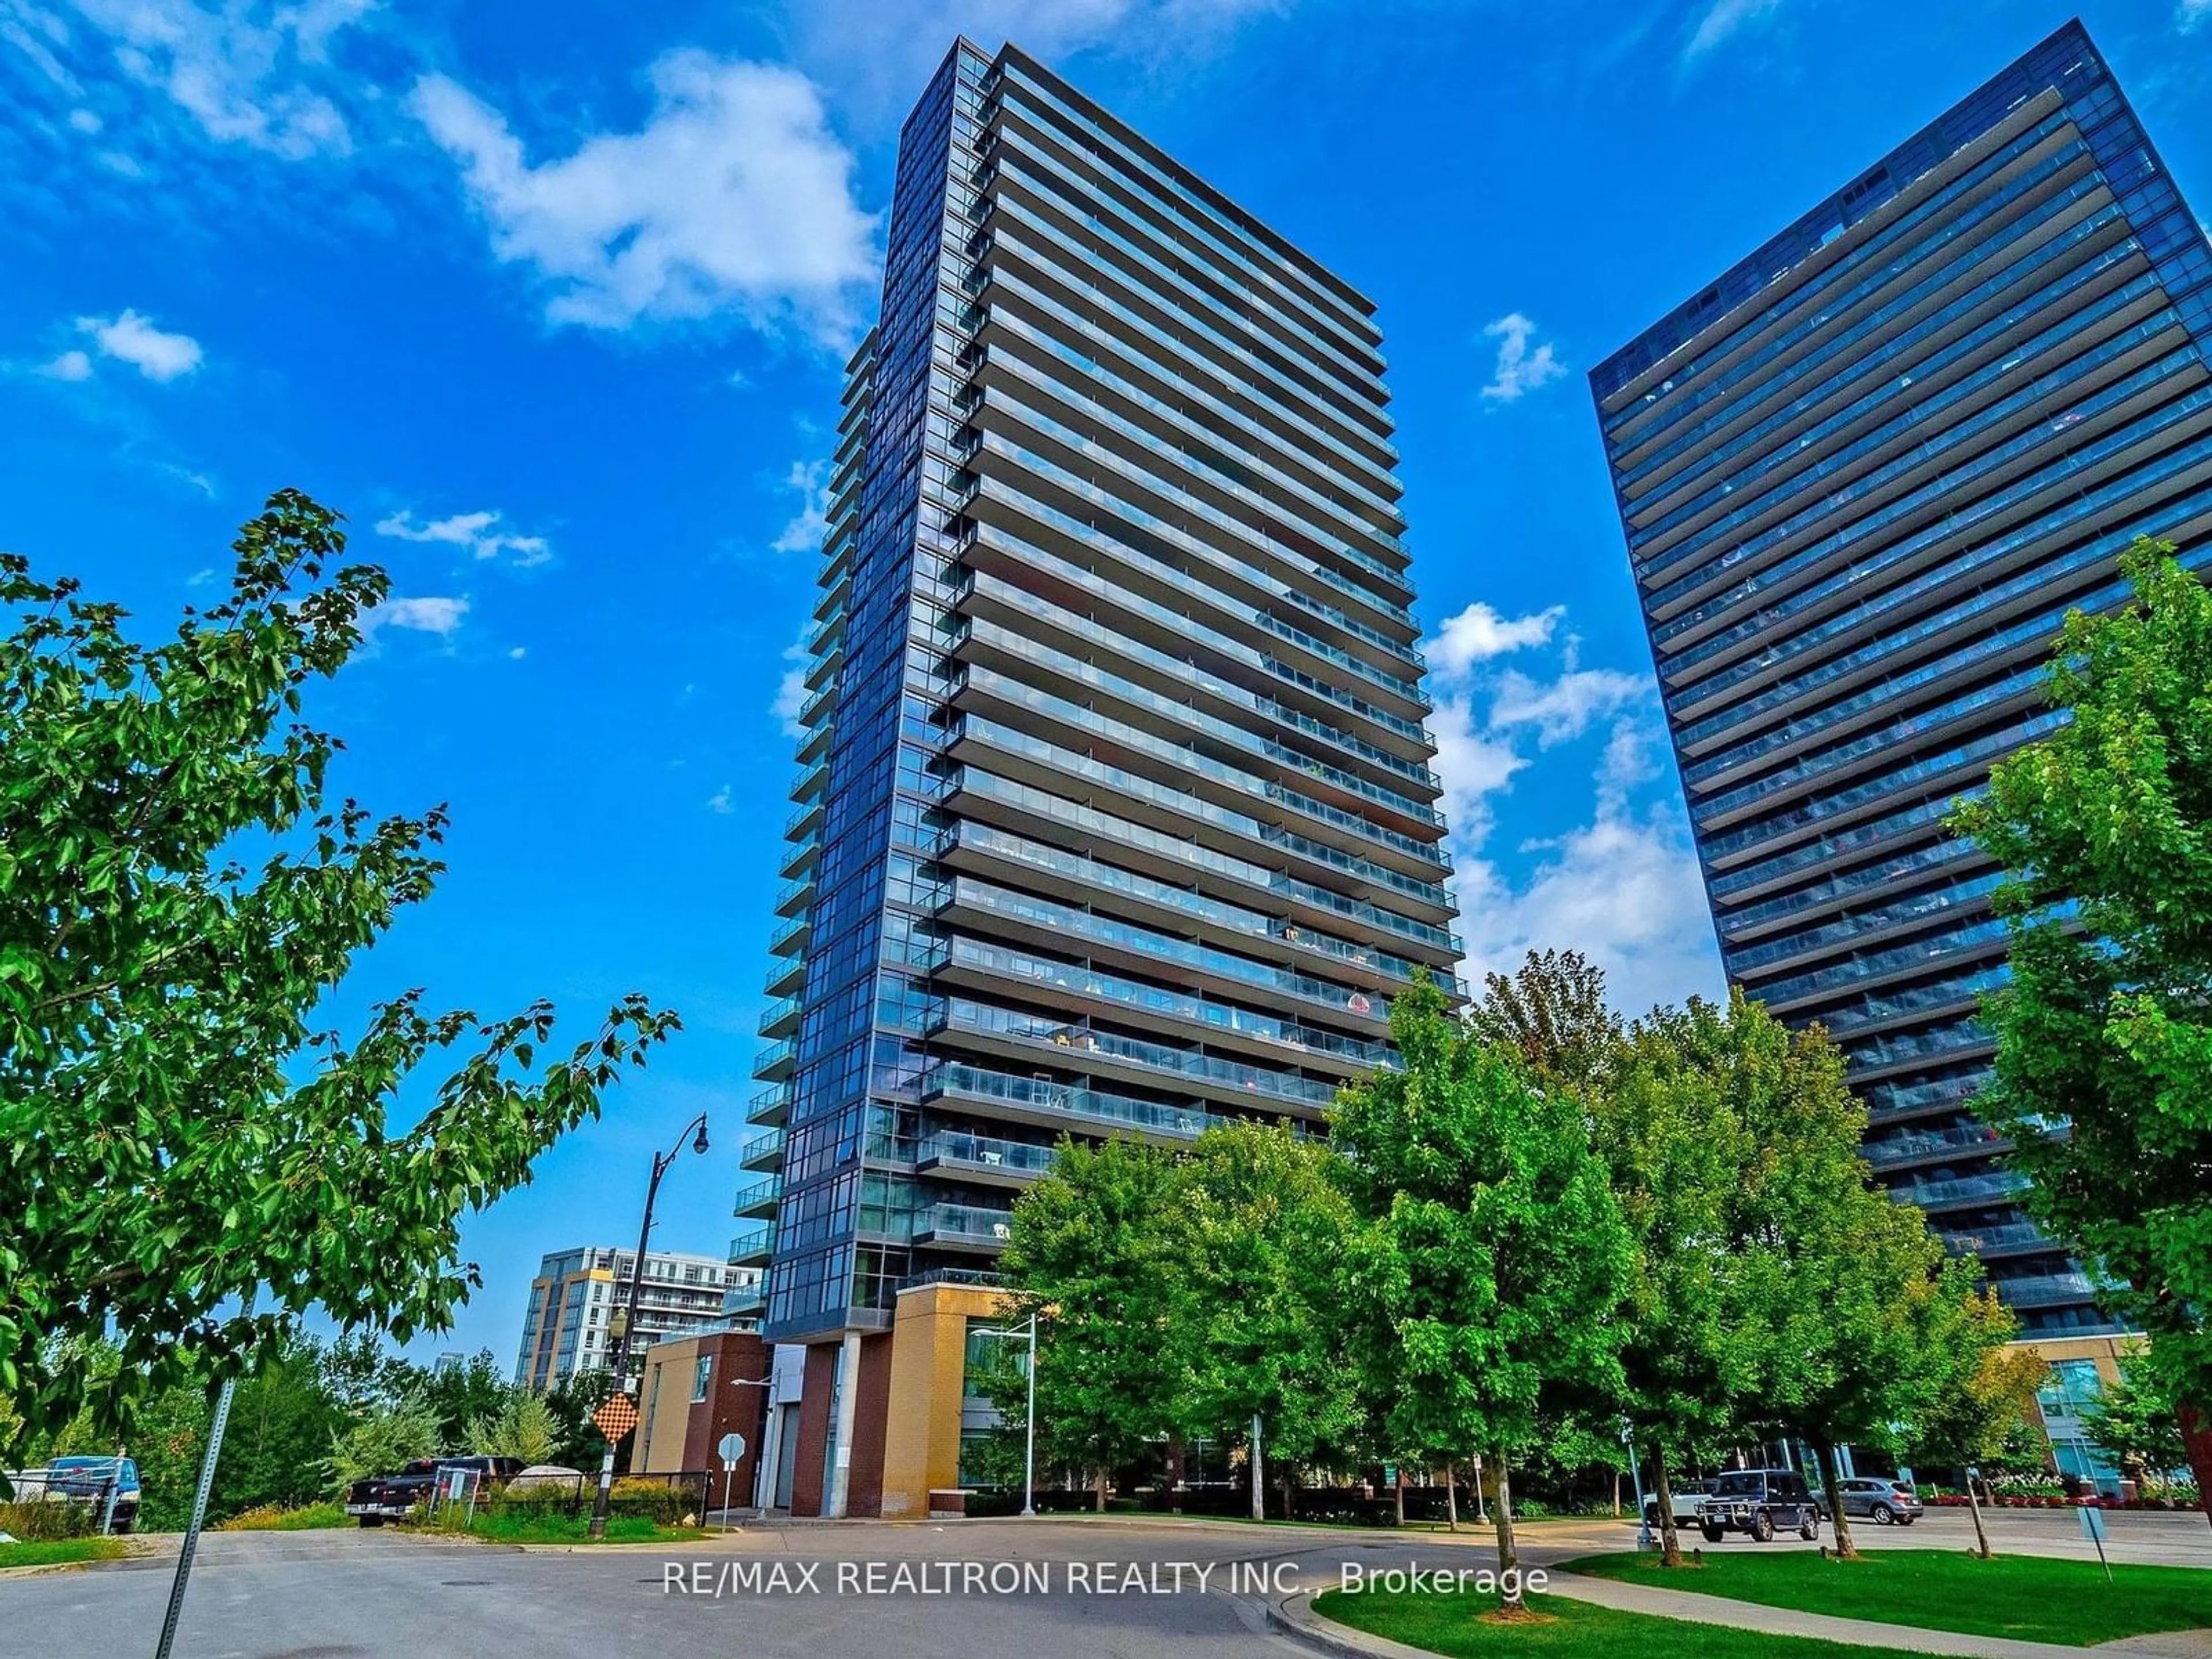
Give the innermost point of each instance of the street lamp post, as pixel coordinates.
(620, 1359)
(1029, 1452)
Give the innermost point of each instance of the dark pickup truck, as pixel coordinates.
(395, 1497)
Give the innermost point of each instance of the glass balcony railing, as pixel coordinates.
(752, 1245)
(1122, 648)
(1770, 482)
(1156, 1002)
(1108, 1110)
(1932, 856)
(1992, 1187)
(1928, 953)
(1857, 923)
(985, 1152)
(1218, 416)
(2007, 1235)
(1007, 740)
(964, 1221)
(1141, 837)
(1868, 271)
(2084, 510)
(2046, 1290)
(1940, 1046)
(761, 1152)
(1914, 1144)
(1066, 670)
(776, 1059)
(1848, 355)
(759, 1197)
(1084, 1045)
(2061, 464)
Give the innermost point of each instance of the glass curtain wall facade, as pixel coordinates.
(1115, 812)
(1862, 477)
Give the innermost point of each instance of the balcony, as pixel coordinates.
(810, 784)
(790, 938)
(776, 1062)
(963, 1227)
(806, 820)
(787, 977)
(749, 1299)
(781, 1019)
(771, 1105)
(753, 1245)
(758, 1199)
(2046, 1290)
(1918, 1146)
(800, 857)
(761, 1152)
(1997, 1187)
(816, 743)
(794, 896)
(2008, 1238)
(982, 1158)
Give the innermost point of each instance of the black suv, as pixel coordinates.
(1761, 1502)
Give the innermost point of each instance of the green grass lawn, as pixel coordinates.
(2025, 1596)
(1574, 1629)
(59, 1551)
(525, 1528)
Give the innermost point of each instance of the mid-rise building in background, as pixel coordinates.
(1115, 814)
(566, 1328)
(1863, 475)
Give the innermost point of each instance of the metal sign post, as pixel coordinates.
(2092, 1529)
(199, 1516)
(1644, 1540)
(730, 1448)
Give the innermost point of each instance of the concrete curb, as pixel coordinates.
(1295, 1618)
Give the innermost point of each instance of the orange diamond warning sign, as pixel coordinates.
(616, 1417)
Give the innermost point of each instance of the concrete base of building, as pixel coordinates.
(902, 1458)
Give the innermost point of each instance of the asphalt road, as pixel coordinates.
(1110, 1589)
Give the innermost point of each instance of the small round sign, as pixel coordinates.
(730, 1448)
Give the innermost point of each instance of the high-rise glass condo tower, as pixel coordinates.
(1115, 814)
(1863, 475)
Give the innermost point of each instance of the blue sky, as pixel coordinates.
(551, 301)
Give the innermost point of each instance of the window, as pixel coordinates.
(699, 1378)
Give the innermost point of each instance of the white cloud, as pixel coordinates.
(244, 71)
(734, 197)
(517, 652)
(791, 692)
(442, 617)
(133, 339)
(1519, 370)
(1474, 765)
(83, 120)
(1478, 633)
(2192, 13)
(1567, 707)
(475, 532)
(804, 533)
(36, 33)
(69, 365)
(719, 801)
(1727, 17)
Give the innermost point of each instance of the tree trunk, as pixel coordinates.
(1451, 1496)
(1827, 1456)
(1100, 1490)
(1259, 1474)
(1508, 1555)
(1616, 1494)
(1178, 1466)
(1398, 1494)
(1662, 1494)
(2197, 1437)
(1974, 1508)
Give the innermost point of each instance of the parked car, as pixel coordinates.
(395, 1497)
(86, 1481)
(1760, 1502)
(1687, 1495)
(1890, 1503)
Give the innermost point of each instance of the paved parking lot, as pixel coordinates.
(1112, 1588)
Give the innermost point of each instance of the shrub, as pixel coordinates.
(42, 1521)
(281, 1517)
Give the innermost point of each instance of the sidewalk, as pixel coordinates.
(1295, 1616)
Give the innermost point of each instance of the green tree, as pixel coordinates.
(1982, 1403)
(1100, 1253)
(1492, 1262)
(472, 1391)
(524, 1429)
(1674, 1125)
(384, 1440)
(2104, 1063)
(1553, 1014)
(179, 896)
(2133, 1418)
(578, 1443)
(1268, 1225)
